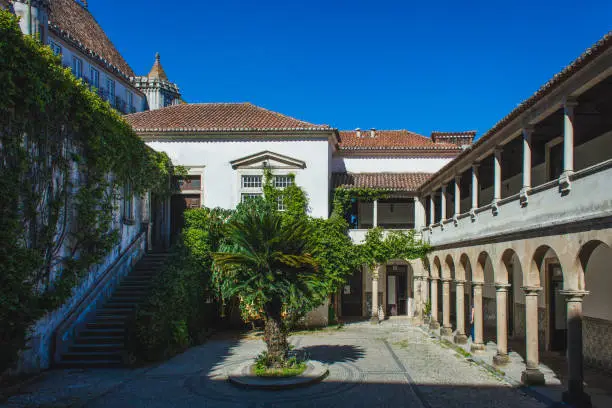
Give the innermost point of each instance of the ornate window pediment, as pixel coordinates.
(267, 159)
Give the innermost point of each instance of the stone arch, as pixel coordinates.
(511, 272)
(534, 275)
(436, 270)
(483, 271)
(593, 260)
(426, 265)
(449, 267)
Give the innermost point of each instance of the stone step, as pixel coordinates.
(96, 332)
(100, 340)
(89, 364)
(109, 356)
(93, 348)
(106, 325)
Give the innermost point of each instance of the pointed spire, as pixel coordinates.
(157, 72)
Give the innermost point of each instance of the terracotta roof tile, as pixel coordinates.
(215, 117)
(389, 140)
(74, 23)
(392, 181)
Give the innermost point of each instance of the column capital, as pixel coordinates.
(434, 278)
(479, 284)
(531, 290)
(443, 187)
(460, 282)
(446, 279)
(502, 287)
(457, 178)
(574, 295)
(475, 165)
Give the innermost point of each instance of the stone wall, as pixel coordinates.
(597, 341)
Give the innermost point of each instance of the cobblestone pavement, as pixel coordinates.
(389, 365)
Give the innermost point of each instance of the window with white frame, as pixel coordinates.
(55, 47)
(249, 196)
(95, 77)
(77, 67)
(280, 203)
(282, 181)
(252, 181)
(110, 87)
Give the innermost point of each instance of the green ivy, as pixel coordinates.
(343, 196)
(65, 155)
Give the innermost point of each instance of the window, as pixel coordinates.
(77, 67)
(252, 181)
(280, 203)
(282, 181)
(56, 48)
(128, 205)
(130, 101)
(110, 87)
(95, 77)
(190, 183)
(249, 196)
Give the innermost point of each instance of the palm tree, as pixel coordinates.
(265, 262)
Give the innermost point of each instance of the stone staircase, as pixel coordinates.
(101, 343)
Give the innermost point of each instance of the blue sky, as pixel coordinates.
(422, 66)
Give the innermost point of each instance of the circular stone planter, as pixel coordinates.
(244, 376)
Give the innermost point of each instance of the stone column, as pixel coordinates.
(374, 318)
(527, 133)
(497, 178)
(375, 213)
(575, 394)
(447, 329)
(532, 374)
(419, 215)
(457, 209)
(460, 337)
(475, 188)
(568, 144)
(443, 204)
(477, 343)
(432, 209)
(501, 358)
(434, 324)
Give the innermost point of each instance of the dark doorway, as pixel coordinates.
(557, 315)
(397, 290)
(179, 204)
(352, 296)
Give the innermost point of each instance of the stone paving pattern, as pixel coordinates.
(388, 365)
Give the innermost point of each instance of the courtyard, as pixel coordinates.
(387, 365)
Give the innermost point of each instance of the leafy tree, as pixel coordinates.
(266, 262)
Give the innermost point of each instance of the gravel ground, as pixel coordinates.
(388, 365)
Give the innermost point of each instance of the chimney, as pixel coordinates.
(358, 132)
(373, 132)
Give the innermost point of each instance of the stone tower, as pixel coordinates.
(160, 92)
(34, 17)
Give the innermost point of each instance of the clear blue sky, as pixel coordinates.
(419, 65)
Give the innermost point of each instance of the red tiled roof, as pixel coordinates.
(389, 140)
(215, 117)
(75, 24)
(392, 181)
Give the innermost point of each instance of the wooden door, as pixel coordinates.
(352, 295)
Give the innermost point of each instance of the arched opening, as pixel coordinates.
(595, 258)
(450, 267)
(398, 288)
(437, 271)
(464, 271)
(510, 272)
(489, 303)
(546, 271)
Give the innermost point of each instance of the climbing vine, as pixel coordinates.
(65, 156)
(343, 197)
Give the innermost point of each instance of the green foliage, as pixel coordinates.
(64, 155)
(343, 197)
(263, 367)
(179, 309)
(379, 248)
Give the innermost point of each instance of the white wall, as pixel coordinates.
(388, 164)
(221, 183)
(122, 86)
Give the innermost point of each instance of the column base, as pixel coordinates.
(434, 325)
(532, 376)
(446, 331)
(582, 400)
(460, 339)
(501, 359)
(374, 320)
(477, 347)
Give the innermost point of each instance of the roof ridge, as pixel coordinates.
(283, 115)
